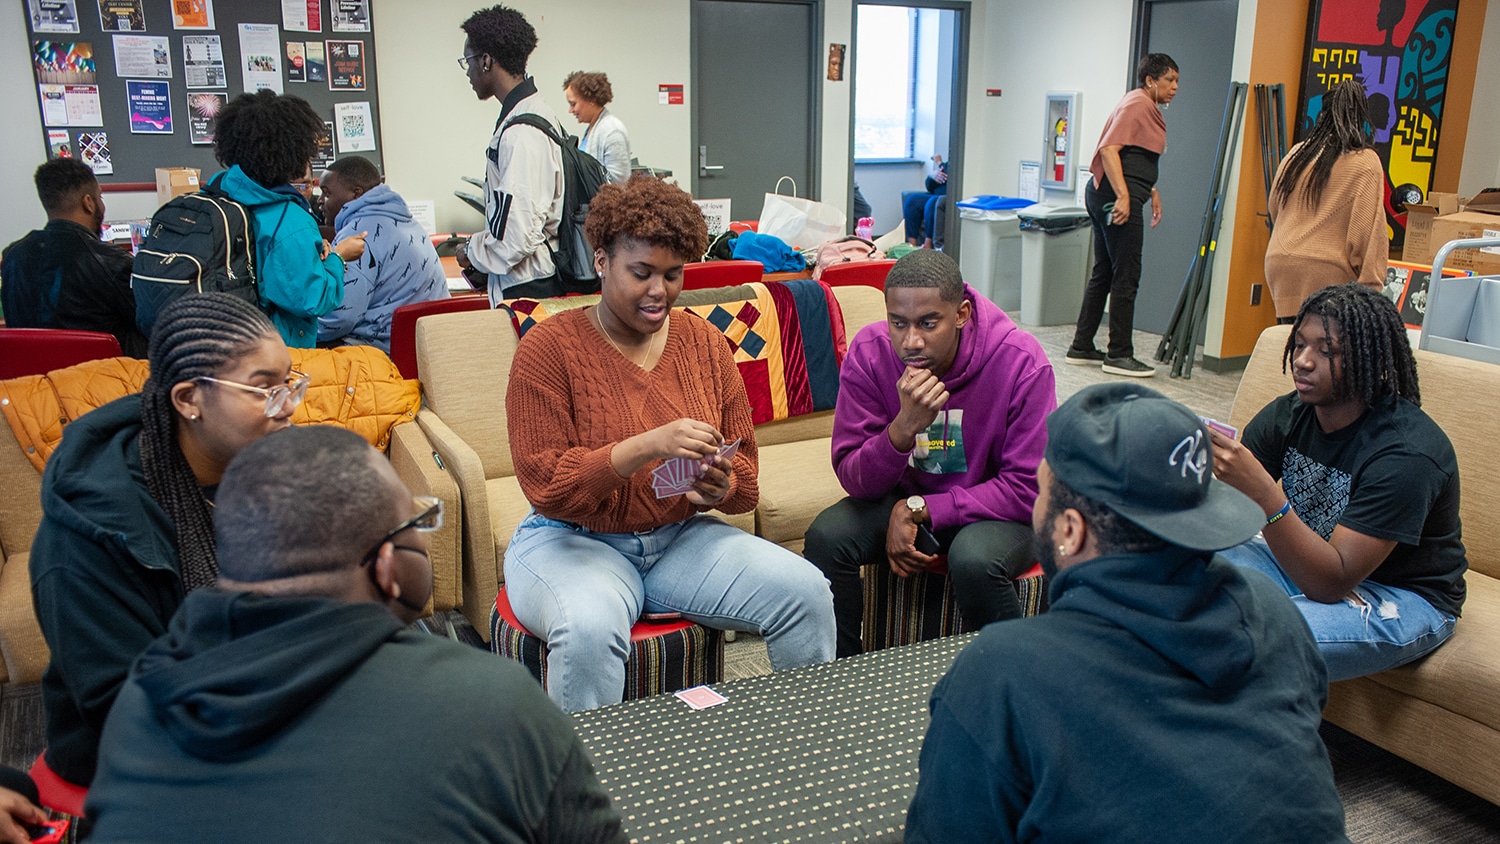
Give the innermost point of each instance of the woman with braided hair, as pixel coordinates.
(1363, 531)
(1328, 206)
(127, 505)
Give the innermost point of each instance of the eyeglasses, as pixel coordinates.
(278, 397)
(429, 518)
(465, 61)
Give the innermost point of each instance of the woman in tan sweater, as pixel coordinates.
(1327, 207)
(601, 397)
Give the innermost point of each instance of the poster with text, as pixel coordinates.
(317, 63)
(356, 128)
(203, 115)
(350, 15)
(150, 107)
(93, 150)
(203, 62)
(324, 154)
(52, 15)
(260, 57)
(296, 61)
(192, 14)
(302, 15)
(1400, 52)
(58, 145)
(346, 66)
(121, 16)
(143, 56)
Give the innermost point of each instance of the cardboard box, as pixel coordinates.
(1463, 225)
(1419, 247)
(173, 181)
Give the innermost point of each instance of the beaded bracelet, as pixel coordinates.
(1285, 508)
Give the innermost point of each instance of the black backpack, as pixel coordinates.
(583, 175)
(198, 243)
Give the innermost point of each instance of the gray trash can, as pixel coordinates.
(992, 255)
(1055, 246)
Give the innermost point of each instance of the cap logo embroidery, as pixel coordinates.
(1192, 455)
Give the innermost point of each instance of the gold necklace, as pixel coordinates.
(599, 318)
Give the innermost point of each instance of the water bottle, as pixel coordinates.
(865, 228)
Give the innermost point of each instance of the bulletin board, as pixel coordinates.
(121, 87)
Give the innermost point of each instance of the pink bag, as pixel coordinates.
(845, 250)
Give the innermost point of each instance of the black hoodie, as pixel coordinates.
(1163, 697)
(303, 719)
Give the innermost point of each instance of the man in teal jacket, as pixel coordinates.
(267, 140)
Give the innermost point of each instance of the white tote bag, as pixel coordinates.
(801, 223)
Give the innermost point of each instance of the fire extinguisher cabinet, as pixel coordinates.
(1061, 140)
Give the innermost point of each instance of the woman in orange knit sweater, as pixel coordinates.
(600, 397)
(1327, 207)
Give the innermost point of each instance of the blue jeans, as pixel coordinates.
(581, 591)
(1391, 627)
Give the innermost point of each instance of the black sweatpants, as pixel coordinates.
(1116, 276)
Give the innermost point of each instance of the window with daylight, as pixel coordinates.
(885, 82)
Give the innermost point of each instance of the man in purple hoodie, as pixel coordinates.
(939, 428)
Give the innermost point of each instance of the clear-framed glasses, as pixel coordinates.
(279, 397)
(465, 61)
(429, 518)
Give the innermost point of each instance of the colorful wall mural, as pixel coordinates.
(1400, 51)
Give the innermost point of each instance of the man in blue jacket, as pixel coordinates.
(399, 266)
(1167, 695)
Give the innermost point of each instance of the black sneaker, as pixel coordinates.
(1129, 367)
(1092, 357)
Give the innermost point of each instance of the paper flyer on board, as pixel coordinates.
(302, 15)
(346, 65)
(150, 107)
(52, 15)
(317, 62)
(67, 83)
(260, 57)
(323, 156)
(356, 128)
(203, 62)
(58, 145)
(192, 14)
(203, 115)
(349, 15)
(296, 61)
(121, 16)
(143, 56)
(93, 150)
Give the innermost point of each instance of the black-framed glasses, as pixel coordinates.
(428, 518)
(277, 397)
(464, 62)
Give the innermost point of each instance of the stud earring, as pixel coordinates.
(1062, 549)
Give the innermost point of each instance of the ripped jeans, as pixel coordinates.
(1384, 628)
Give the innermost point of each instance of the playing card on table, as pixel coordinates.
(700, 697)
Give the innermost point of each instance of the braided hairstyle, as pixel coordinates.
(1378, 362)
(195, 336)
(1340, 128)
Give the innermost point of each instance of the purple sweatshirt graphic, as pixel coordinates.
(1002, 382)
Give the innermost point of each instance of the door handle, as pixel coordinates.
(704, 168)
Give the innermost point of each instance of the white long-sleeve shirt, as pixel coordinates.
(523, 197)
(608, 142)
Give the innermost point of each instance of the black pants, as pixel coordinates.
(983, 557)
(537, 288)
(1116, 276)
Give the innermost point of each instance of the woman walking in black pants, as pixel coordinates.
(1124, 170)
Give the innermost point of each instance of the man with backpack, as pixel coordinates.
(523, 179)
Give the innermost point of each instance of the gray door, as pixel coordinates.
(1199, 36)
(755, 71)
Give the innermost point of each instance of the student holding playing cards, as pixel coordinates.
(1362, 530)
(939, 427)
(600, 397)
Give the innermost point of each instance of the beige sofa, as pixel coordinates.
(464, 360)
(1443, 711)
(22, 647)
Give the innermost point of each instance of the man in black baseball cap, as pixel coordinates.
(1166, 695)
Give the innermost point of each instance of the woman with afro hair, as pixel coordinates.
(267, 140)
(604, 135)
(600, 397)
